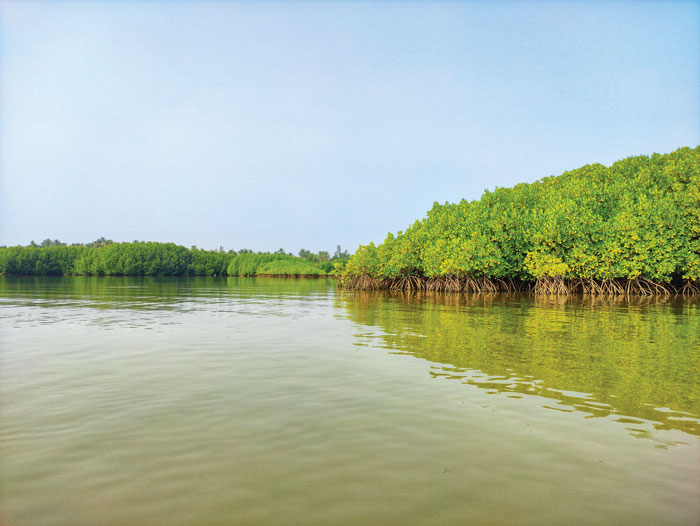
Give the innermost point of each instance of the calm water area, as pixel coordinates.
(205, 401)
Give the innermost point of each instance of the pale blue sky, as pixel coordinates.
(308, 124)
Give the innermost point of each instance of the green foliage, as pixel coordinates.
(135, 259)
(208, 263)
(335, 267)
(100, 242)
(276, 264)
(47, 260)
(638, 218)
(52, 243)
(289, 267)
(541, 265)
(247, 264)
(107, 258)
(365, 262)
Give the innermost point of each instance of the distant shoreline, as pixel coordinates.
(107, 258)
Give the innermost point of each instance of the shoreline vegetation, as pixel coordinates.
(104, 257)
(630, 228)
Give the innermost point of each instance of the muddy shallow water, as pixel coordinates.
(269, 401)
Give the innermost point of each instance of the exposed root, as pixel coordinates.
(553, 285)
(546, 286)
(363, 282)
(690, 287)
(441, 284)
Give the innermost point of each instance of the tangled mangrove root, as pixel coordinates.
(422, 284)
(553, 285)
(545, 286)
(408, 283)
(618, 287)
(690, 287)
(363, 282)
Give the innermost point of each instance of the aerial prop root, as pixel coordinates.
(690, 287)
(361, 282)
(551, 285)
(556, 285)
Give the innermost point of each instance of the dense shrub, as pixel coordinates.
(106, 258)
(48, 260)
(636, 221)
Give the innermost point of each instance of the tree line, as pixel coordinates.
(104, 257)
(632, 227)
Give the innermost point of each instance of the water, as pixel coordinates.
(268, 401)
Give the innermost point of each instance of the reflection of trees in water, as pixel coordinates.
(638, 357)
(146, 292)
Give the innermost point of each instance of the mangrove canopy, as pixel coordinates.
(632, 227)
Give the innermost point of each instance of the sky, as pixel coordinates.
(268, 125)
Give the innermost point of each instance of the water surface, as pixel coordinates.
(272, 401)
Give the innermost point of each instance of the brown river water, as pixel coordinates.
(205, 401)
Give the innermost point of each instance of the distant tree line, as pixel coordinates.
(104, 257)
(633, 227)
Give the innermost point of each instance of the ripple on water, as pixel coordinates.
(281, 401)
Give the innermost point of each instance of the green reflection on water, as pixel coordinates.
(149, 293)
(637, 357)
